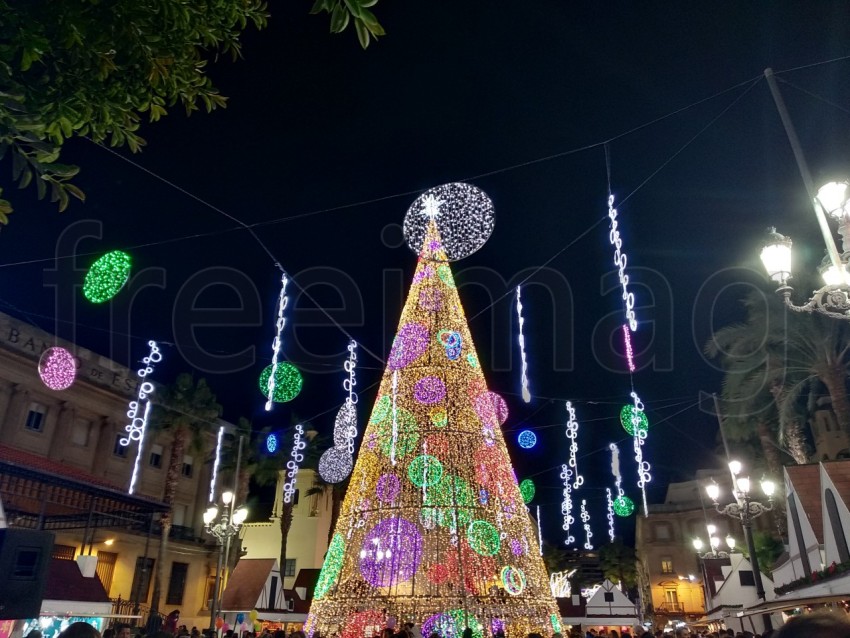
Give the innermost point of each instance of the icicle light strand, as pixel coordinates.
(572, 435)
(348, 385)
(137, 463)
(539, 532)
(135, 429)
(526, 393)
(293, 464)
(216, 463)
(610, 513)
(276, 344)
(620, 261)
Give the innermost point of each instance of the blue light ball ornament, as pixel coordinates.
(527, 439)
(271, 443)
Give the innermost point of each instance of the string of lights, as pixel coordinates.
(137, 428)
(277, 342)
(567, 504)
(610, 514)
(292, 465)
(217, 462)
(585, 518)
(572, 435)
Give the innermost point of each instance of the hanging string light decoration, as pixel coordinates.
(335, 464)
(107, 276)
(567, 504)
(572, 435)
(272, 442)
(622, 505)
(527, 439)
(610, 504)
(216, 463)
(138, 425)
(464, 215)
(276, 343)
(433, 455)
(585, 518)
(292, 465)
(643, 467)
(526, 394)
(633, 420)
(57, 368)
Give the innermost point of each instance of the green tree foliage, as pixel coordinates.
(96, 69)
(344, 12)
(619, 563)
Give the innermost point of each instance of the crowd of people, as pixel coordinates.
(817, 625)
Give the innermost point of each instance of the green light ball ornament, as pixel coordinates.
(624, 506)
(629, 417)
(107, 276)
(483, 538)
(527, 490)
(287, 382)
(425, 470)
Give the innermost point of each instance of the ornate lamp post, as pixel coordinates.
(745, 509)
(223, 526)
(714, 543)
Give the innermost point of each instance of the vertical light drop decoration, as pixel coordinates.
(610, 503)
(620, 261)
(216, 463)
(585, 518)
(526, 393)
(348, 385)
(137, 428)
(567, 504)
(293, 464)
(277, 343)
(433, 484)
(630, 353)
(572, 435)
(643, 467)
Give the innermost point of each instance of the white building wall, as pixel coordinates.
(829, 543)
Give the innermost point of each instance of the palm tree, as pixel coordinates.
(187, 410)
(337, 493)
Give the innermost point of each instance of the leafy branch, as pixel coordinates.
(342, 12)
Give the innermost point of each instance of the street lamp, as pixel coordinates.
(745, 509)
(223, 526)
(714, 543)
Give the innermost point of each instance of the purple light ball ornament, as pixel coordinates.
(429, 390)
(410, 344)
(57, 368)
(490, 406)
(388, 488)
(391, 552)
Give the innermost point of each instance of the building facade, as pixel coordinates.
(74, 433)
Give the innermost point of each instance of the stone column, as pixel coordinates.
(6, 391)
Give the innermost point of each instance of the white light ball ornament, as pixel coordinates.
(335, 465)
(57, 368)
(464, 216)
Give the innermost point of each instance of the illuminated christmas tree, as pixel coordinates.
(433, 529)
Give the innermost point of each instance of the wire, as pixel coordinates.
(813, 64)
(814, 95)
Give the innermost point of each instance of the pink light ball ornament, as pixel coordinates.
(431, 299)
(391, 552)
(410, 344)
(490, 406)
(388, 487)
(57, 368)
(429, 390)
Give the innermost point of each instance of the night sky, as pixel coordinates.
(324, 146)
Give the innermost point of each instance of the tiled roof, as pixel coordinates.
(49, 466)
(806, 482)
(246, 584)
(839, 473)
(66, 582)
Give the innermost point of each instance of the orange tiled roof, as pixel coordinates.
(839, 473)
(246, 584)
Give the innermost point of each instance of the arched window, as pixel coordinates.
(837, 528)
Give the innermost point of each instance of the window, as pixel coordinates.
(747, 578)
(119, 450)
(666, 565)
(662, 532)
(35, 417)
(106, 568)
(155, 459)
(80, 432)
(142, 579)
(295, 497)
(187, 466)
(177, 583)
(671, 599)
(64, 552)
(289, 570)
(837, 528)
(609, 596)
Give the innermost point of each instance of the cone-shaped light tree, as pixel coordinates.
(433, 528)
